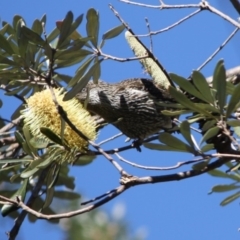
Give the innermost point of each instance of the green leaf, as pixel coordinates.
(37, 27)
(237, 131)
(5, 45)
(21, 192)
(186, 132)
(175, 113)
(72, 53)
(230, 199)
(219, 173)
(32, 36)
(114, 32)
(174, 142)
(80, 72)
(67, 195)
(32, 169)
(160, 147)
(82, 82)
(11, 161)
(51, 135)
(92, 26)
(28, 136)
(209, 134)
(97, 71)
(233, 123)
(49, 197)
(207, 148)
(65, 29)
(187, 86)
(76, 23)
(84, 160)
(53, 35)
(202, 85)
(224, 188)
(53, 175)
(219, 83)
(233, 101)
(201, 165)
(182, 99)
(208, 125)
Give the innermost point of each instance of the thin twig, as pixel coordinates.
(128, 182)
(110, 139)
(171, 26)
(18, 222)
(150, 37)
(218, 49)
(179, 164)
(120, 59)
(4, 87)
(161, 6)
(11, 125)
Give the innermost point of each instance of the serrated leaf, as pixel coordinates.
(233, 101)
(187, 86)
(224, 188)
(230, 199)
(92, 26)
(186, 132)
(21, 192)
(209, 134)
(219, 83)
(202, 85)
(65, 29)
(51, 135)
(174, 142)
(114, 32)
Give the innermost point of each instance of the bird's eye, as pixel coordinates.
(84, 90)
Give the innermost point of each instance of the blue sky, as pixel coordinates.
(175, 210)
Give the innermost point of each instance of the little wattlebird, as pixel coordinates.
(130, 105)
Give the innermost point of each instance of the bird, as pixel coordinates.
(130, 105)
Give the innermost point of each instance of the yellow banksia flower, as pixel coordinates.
(148, 63)
(41, 112)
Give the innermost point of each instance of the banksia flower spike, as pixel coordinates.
(41, 112)
(160, 78)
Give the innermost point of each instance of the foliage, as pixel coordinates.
(32, 60)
